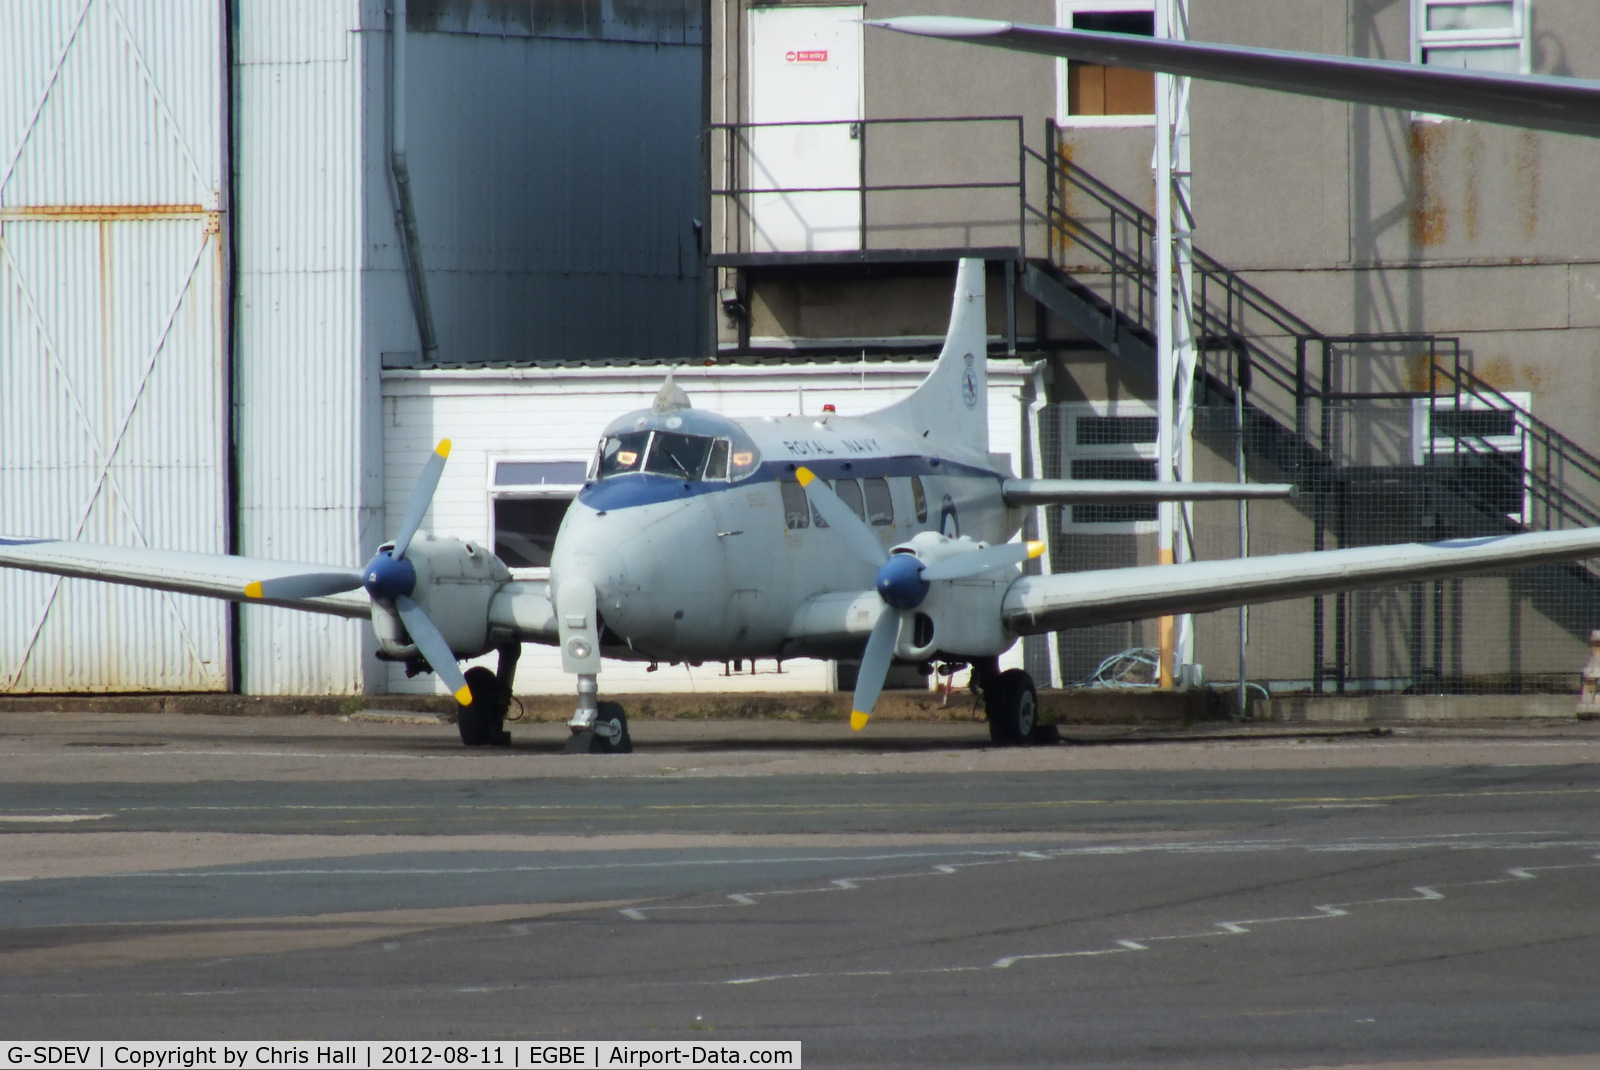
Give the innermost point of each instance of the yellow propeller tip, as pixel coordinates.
(858, 720)
(443, 448)
(805, 476)
(1035, 548)
(464, 696)
(252, 590)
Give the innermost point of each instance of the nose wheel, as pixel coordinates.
(607, 734)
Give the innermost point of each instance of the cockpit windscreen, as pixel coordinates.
(672, 453)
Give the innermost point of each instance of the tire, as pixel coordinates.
(1012, 704)
(623, 742)
(482, 724)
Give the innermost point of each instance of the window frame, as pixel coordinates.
(1519, 443)
(1423, 39)
(1070, 413)
(1065, 9)
(496, 491)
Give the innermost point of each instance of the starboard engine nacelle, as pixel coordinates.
(455, 582)
(956, 616)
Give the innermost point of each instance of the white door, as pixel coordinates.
(805, 67)
(112, 422)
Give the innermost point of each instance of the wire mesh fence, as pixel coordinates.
(1413, 468)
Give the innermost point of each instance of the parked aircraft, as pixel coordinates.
(701, 537)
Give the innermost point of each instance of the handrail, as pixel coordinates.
(737, 134)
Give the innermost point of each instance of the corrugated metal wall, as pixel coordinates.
(307, 477)
(112, 372)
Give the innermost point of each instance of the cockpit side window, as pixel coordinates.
(679, 456)
(623, 453)
(717, 465)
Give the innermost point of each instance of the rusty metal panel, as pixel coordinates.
(112, 372)
(301, 386)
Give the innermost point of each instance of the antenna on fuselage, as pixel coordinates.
(670, 398)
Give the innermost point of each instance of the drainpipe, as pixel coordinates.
(405, 213)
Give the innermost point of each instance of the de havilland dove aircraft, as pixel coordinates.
(702, 537)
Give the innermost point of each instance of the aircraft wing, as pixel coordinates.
(1073, 599)
(1082, 491)
(212, 575)
(1537, 102)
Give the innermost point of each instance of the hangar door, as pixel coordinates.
(112, 369)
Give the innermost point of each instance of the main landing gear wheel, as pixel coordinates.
(608, 736)
(482, 724)
(1012, 703)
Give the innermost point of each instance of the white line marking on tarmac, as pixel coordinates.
(1240, 927)
(50, 819)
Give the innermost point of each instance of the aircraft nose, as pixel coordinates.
(586, 547)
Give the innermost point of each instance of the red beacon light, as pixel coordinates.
(829, 408)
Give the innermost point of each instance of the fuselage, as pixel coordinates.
(706, 550)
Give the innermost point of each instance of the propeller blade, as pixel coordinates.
(305, 585)
(874, 667)
(433, 647)
(970, 564)
(841, 518)
(421, 497)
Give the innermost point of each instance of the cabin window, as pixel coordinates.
(1474, 35)
(1110, 440)
(880, 506)
(528, 501)
(919, 500)
(796, 512)
(849, 491)
(1485, 444)
(1089, 94)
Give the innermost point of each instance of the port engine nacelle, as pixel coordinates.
(455, 582)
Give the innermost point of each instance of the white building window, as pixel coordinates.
(1088, 94)
(1474, 35)
(528, 500)
(1109, 440)
(1485, 441)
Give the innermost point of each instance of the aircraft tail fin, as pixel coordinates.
(951, 406)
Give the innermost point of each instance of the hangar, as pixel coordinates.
(290, 252)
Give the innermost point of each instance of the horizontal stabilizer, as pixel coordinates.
(1537, 102)
(183, 572)
(1070, 600)
(1085, 491)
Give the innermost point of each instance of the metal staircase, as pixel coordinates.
(1293, 383)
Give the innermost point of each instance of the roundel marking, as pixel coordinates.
(969, 384)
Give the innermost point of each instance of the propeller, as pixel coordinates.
(903, 582)
(388, 577)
